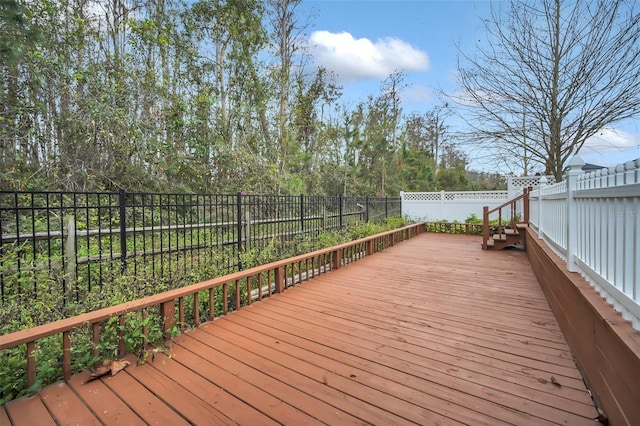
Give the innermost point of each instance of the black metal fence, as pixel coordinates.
(84, 240)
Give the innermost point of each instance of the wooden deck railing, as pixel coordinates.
(513, 212)
(454, 228)
(248, 285)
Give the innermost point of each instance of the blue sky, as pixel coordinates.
(365, 40)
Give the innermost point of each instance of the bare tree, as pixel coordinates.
(553, 74)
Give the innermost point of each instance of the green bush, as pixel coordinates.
(473, 218)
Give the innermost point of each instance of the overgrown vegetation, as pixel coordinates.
(177, 96)
(27, 312)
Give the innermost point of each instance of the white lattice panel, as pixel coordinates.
(476, 195)
(519, 182)
(420, 196)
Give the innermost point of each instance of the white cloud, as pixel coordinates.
(353, 59)
(609, 139)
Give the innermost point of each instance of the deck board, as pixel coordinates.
(430, 331)
(105, 404)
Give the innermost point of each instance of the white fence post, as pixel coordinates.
(575, 170)
(541, 185)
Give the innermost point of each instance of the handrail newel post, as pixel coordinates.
(485, 227)
(575, 170)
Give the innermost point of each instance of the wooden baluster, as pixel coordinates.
(31, 364)
(225, 299)
(181, 313)
(66, 356)
(249, 288)
(145, 328)
(237, 304)
(212, 306)
(196, 309)
(95, 338)
(122, 347)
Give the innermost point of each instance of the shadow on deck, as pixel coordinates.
(430, 331)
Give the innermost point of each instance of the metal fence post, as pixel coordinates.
(366, 207)
(239, 228)
(122, 201)
(386, 207)
(340, 210)
(302, 212)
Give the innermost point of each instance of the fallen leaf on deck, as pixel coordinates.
(117, 366)
(108, 366)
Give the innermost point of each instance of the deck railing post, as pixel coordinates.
(575, 170)
(485, 227)
(525, 204)
(541, 185)
(279, 278)
(336, 259)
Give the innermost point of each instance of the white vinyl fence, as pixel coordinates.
(451, 206)
(459, 205)
(592, 221)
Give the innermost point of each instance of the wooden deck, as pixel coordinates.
(431, 331)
